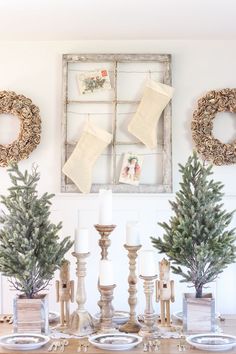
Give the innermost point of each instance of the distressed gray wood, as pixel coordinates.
(121, 188)
(164, 146)
(114, 181)
(64, 122)
(121, 58)
(104, 102)
(167, 153)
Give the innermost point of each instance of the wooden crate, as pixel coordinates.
(31, 315)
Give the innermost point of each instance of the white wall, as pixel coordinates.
(34, 69)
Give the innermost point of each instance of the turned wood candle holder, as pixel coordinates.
(132, 326)
(149, 328)
(81, 323)
(106, 322)
(104, 242)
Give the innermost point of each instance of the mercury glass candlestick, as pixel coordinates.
(149, 328)
(132, 326)
(106, 322)
(81, 323)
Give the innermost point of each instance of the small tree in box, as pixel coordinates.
(197, 239)
(30, 250)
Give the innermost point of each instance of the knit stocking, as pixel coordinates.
(143, 125)
(89, 147)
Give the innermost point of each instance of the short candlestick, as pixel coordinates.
(132, 326)
(149, 329)
(81, 323)
(106, 322)
(104, 242)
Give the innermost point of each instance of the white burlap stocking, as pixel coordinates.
(144, 123)
(89, 147)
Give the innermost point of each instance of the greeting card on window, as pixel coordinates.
(131, 169)
(90, 82)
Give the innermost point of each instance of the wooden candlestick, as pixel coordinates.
(106, 323)
(149, 329)
(104, 242)
(81, 323)
(132, 326)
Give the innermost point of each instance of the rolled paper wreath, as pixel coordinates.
(210, 148)
(30, 127)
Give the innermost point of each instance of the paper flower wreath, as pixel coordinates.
(207, 145)
(30, 127)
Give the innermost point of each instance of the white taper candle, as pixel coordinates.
(81, 240)
(106, 274)
(105, 207)
(132, 233)
(147, 263)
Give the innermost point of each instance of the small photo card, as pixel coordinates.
(90, 82)
(131, 169)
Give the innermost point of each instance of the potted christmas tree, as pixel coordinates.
(197, 239)
(30, 250)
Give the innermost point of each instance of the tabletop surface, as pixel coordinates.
(167, 346)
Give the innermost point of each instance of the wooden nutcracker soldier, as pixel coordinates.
(65, 293)
(165, 292)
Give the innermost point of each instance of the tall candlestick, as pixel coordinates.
(147, 263)
(132, 233)
(105, 207)
(81, 323)
(81, 241)
(149, 329)
(104, 242)
(132, 326)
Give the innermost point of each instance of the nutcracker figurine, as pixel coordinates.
(165, 292)
(65, 293)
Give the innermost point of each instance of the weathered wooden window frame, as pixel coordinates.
(165, 60)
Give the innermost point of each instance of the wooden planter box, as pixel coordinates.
(198, 314)
(31, 315)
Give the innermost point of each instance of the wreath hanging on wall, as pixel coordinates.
(30, 127)
(207, 145)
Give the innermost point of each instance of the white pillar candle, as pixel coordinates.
(147, 263)
(105, 207)
(78, 224)
(106, 275)
(132, 233)
(81, 240)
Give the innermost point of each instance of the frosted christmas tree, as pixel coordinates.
(197, 239)
(30, 250)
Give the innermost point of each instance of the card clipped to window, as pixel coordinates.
(90, 82)
(131, 169)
